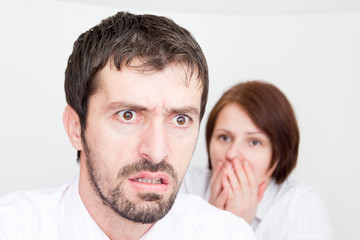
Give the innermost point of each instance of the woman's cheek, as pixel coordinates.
(214, 154)
(214, 159)
(264, 176)
(258, 172)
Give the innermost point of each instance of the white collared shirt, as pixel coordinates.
(287, 211)
(60, 214)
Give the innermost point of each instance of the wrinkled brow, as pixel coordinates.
(187, 110)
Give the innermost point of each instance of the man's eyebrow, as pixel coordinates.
(124, 105)
(193, 111)
(185, 110)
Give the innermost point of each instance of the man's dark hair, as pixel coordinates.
(154, 40)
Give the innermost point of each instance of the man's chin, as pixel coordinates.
(150, 197)
(149, 210)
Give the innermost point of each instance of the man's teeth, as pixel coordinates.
(148, 180)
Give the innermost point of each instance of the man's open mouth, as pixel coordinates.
(148, 180)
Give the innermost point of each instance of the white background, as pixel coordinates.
(313, 58)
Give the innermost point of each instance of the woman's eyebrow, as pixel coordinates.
(254, 133)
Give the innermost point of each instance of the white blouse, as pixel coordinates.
(290, 210)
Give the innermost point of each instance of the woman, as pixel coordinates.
(252, 142)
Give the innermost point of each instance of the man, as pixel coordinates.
(136, 87)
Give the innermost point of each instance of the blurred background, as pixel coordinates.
(308, 48)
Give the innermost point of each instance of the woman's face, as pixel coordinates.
(235, 136)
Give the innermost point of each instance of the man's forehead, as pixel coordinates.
(146, 88)
(189, 75)
(173, 75)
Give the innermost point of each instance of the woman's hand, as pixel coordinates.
(218, 195)
(244, 193)
(234, 188)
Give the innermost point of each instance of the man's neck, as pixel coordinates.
(111, 223)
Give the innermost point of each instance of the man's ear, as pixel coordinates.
(72, 126)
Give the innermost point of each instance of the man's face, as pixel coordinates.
(140, 136)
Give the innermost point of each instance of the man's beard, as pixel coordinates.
(156, 206)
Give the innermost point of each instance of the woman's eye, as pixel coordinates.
(255, 143)
(224, 138)
(127, 115)
(181, 120)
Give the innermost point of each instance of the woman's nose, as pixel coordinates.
(233, 152)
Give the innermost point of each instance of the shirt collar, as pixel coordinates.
(76, 222)
(268, 199)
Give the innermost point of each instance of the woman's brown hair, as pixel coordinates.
(271, 111)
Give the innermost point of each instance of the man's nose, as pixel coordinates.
(154, 145)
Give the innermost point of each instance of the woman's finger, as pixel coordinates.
(234, 183)
(242, 178)
(215, 182)
(252, 184)
(225, 193)
(219, 199)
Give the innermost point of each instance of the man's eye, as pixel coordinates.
(127, 115)
(181, 120)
